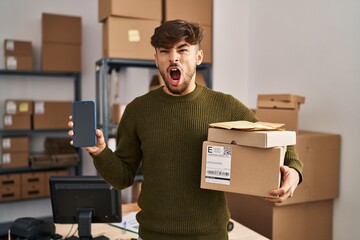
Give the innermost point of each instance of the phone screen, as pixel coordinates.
(84, 119)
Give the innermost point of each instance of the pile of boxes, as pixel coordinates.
(16, 186)
(127, 29)
(309, 213)
(18, 55)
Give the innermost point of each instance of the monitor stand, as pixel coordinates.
(84, 226)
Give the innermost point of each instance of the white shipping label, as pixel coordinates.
(8, 121)
(39, 107)
(218, 164)
(11, 63)
(6, 158)
(134, 35)
(10, 45)
(11, 107)
(6, 143)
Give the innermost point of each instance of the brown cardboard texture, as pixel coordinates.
(14, 159)
(60, 57)
(240, 169)
(310, 221)
(15, 144)
(287, 116)
(287, 97)
(62, 29)
(14, 47)
(201, 11)
(33, 185)
(128, 38)
(261, 139)
(19, 106)
(19, 63)
(150, 9)
(10, 186)
(320, 153)
(277, 104)
(206, 44)
(17, 122)
(52, 114)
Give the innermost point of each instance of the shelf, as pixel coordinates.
(15, 133)
(31, 169)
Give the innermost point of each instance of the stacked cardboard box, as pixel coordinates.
(18, 114)
(308, 214)
(10, 187)
(14, 152)
(199, 12)
(127, 29)
(61, 43)
(246, 162)
(51, 114)
(18, 54)
(282, 108)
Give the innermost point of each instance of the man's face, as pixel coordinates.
(177, 66)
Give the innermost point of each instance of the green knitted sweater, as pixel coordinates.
(165, 134)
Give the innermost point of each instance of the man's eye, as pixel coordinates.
(183, 50)
(163, 51)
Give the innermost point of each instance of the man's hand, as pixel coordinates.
(100, 140)
(289, 182)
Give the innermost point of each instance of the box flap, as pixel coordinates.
(248, 126)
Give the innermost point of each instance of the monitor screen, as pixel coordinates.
(84, 200)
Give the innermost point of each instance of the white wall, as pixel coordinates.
(310, 48)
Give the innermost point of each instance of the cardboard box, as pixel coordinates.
(52, 114)
(14, 47)
(57, 57)
(261, 139)
(10, 186)
(128, 38)
(15, 144)
(282, 98)
(18, 106)
(240, 169)
(33, 185)
(310, 221)
(17, 122)
(63, 29)
(117, 111)
(320, 153)
(201, 11)
(19, 63)
(15, 160)
(143, 9)
(206, 44)
(290, 117)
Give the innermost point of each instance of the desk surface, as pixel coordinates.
(239, 232)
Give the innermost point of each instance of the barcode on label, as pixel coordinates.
(218, 173)
(227, 151)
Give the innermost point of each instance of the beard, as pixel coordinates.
(178, 90)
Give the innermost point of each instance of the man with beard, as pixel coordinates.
(163, 131)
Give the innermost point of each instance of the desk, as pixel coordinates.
(239, 232)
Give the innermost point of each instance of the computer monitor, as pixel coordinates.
(84, 200)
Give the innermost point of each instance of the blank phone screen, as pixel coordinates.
(84, 119)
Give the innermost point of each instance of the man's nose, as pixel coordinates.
(174, 57)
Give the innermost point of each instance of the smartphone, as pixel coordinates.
(84, 119)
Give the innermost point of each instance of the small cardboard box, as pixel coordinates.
(201, 11)
(52, 114)
(33, 185)
(241, 169)
(18, 106)
(310, 221)
(62, 29)
(117, 111)
(290, 117)
(58, 57)
(15, 144)
(261, 139)
(128, 38)
(150, 9)
(17, 48)
(280, 101)
(15, 160)
(19, 63)
(10, 186)
(17, 122)
(48, 174)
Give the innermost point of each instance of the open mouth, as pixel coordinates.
(175, 75)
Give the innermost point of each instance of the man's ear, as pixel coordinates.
(199, 57)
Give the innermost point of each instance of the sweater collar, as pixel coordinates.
(194, 94)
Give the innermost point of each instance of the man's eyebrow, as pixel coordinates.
(183, 45)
